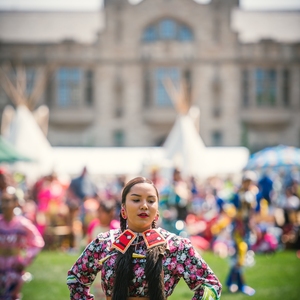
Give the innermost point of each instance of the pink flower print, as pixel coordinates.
(84, 280)
(84, 260)
(210, 277)
(192, 268)
(139, 272)
(180, 268)
(173, 260)
(173, 248)
(200, 272)
(193, 277)
(75, 269)
(172, 264)
(191, 252)
(76, 296)
(84, 267)
(204, 265)
(111, 262)
(171, 281)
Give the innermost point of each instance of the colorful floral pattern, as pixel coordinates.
(181, 260)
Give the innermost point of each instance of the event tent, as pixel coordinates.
(27, 137)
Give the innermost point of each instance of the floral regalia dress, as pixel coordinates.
(180, 260)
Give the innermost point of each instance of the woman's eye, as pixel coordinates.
(135, 200)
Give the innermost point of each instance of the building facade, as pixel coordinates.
(107, 81)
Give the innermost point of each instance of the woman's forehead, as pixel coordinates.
(143, 188)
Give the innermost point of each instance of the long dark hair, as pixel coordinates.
(154, 267)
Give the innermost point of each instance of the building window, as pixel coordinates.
(217, 138)
(147, 88)
(89, 92)
(68, 87)
(30, 80)
(150, 34)
(286, 88)
(168, 29)
(245, 87)
(161, 95)
(119, 106)
(216, 95)
(265, 87)
(156, 82)
(118, 138)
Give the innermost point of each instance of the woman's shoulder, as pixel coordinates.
(170, 235)
(174, 240)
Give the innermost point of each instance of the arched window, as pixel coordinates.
(167, 29)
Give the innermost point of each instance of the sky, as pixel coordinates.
(95, 4)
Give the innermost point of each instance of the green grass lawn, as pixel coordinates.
(275, 277)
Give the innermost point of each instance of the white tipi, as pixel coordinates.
(184, 146)
(19, 125)
(25, 134)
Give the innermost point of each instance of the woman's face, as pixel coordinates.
(141, 207)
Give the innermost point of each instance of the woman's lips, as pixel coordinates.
(143, 215)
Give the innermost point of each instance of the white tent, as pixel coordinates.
(187, 151)
(105, 160)
(25, 134)
(185, 148)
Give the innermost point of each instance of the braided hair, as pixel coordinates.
(154, 256)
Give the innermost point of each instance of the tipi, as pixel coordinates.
(184, 146)
(19, 125)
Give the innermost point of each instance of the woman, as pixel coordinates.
(140, 261)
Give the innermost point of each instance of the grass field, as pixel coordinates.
(275, 277)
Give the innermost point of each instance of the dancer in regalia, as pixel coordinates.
(140, 261)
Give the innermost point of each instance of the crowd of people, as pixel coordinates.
(259, 213)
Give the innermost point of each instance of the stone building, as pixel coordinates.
(106, 87)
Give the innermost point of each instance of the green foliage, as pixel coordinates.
(274, 277)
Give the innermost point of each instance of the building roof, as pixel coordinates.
(83, 27)
(49, 27)
(253, 26)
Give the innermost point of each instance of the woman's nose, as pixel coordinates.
(144, 205)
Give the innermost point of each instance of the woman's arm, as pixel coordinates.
(84, 271)
(197, 274)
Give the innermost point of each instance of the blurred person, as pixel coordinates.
(139, 260)
(156, 178)
(265, 185)
(246, 201)
(80, 189)
(51, 207)
(291, 206)
(175, 198)
(20, 242)
(105, 220)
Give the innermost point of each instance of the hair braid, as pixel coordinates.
(123, 223)
(124, 274)
(154, 272)
(124, 263)
(154, 224)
